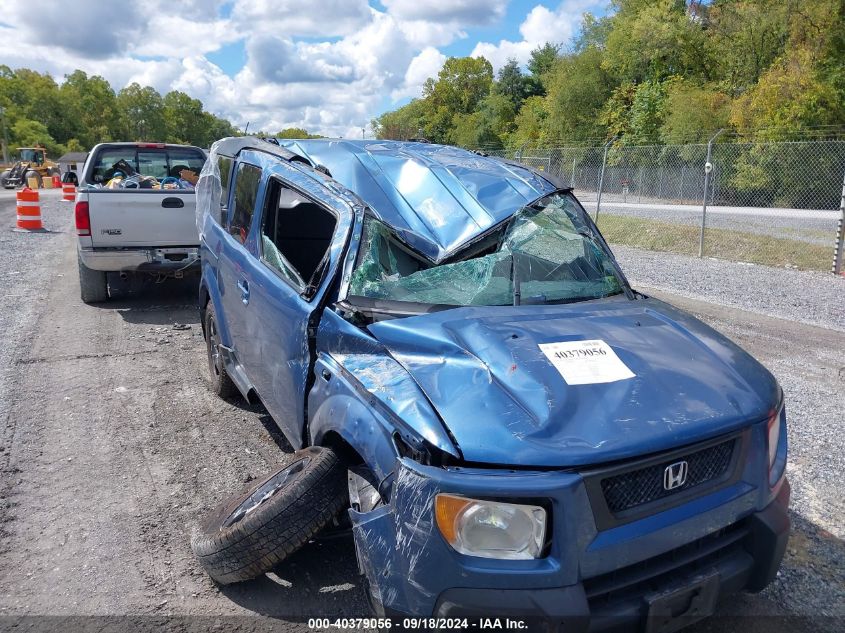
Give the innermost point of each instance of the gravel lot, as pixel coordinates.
(112, 445)
(815, 298)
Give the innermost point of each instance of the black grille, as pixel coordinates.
(638, 487)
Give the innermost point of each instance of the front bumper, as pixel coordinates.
(745, 556)
(168, 260)
(680, 559)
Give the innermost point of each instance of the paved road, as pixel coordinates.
(806, 225)
(112, 447)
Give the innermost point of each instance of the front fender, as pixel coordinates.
(375, 387)
(336, 406)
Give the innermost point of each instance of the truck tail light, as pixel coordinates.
(83, 219)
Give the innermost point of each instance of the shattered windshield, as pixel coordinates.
(545, 253)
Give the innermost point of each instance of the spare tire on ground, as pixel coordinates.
(251, 533)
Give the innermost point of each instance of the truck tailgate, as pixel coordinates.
(125, 218)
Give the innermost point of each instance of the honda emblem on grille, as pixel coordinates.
(675, 475)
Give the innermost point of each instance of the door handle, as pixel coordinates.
(243, 286)
(173, 203)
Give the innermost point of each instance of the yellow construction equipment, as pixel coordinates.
(32, 167)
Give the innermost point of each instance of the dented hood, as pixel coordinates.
(505, 403)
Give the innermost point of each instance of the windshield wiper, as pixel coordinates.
(517, 290)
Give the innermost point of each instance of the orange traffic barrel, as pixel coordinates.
(57, 182)
(29, 210)
(68, 191)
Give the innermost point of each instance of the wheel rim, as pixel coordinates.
(266, 491)
(215, 357)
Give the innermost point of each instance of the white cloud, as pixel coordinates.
(280, 61)
(168, 35)
(326, 67)
(427, 64)
(467, 12)
(296, 18)
(75, 31)
(541, 25)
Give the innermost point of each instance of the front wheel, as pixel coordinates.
(93, 285)
(270, 520)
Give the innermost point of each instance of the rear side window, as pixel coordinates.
(224, 165)
(134, 167)
(246, 191)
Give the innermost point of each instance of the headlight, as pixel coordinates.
(776, 444)
(491, 529)
(774, 437)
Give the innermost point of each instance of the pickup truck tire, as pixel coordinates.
(93, 285)
(256, 530)
(221, 383)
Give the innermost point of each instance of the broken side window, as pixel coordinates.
(296, 234)
(544, 254)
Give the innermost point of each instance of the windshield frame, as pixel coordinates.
(397, 308)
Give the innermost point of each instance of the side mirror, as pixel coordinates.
(71, 177)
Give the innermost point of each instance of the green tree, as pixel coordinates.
(460, 85)
(693, 113)
(511, 83)
(295, 132)
(745, 38)
(543, 58)
(403, 123)
(790, 96)
(578, 86)
(540, 63)
(474, 131)
(655, 39)
(27, 133)
(498, 115)
(142, 109)
(92, 107)
(530, 123)
(183, 119)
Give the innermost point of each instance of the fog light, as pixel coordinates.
(491, 529)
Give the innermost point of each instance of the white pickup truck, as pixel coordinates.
(135, 213)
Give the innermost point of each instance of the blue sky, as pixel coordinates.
(329, 67)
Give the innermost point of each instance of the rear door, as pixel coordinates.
(298, 235)
(236, 255)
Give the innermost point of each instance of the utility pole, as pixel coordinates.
(601, 177)
(708, 167)
(5, 137)
(363, 132)
(838, 267)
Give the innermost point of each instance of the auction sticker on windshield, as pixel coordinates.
(586, 362)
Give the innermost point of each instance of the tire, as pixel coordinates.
(33, 174)
(221, 382)
(93, 286)
(255, 531)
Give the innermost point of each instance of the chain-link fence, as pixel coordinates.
(768, 203)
